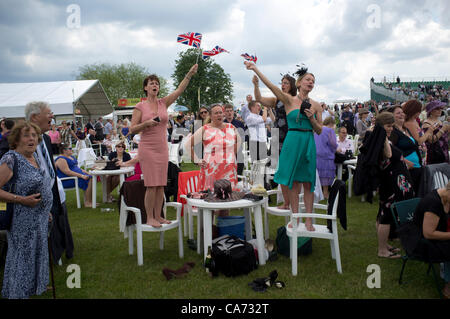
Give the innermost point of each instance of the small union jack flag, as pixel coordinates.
(250, 58)
(190, 38)
(219, 49)
(216, 50)
(207, 54)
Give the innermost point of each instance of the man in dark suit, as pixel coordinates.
(60, 234)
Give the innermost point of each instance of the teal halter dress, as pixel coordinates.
(297, 161)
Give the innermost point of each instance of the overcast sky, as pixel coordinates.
(344, 43)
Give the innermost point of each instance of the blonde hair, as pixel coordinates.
(300, 78)
(329, 120)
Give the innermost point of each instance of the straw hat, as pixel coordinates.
(223, 192)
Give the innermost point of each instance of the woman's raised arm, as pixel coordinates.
(180, 89)
(275, 90)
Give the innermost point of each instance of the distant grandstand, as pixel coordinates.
(403, 91)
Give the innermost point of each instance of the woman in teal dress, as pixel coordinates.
(298, 155)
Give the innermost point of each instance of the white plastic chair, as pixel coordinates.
(77, 190)
(191, 187)
(174, 153)
(439, 180)
(86, 157)
(140, 228)
(355, 144)
(256, 174)
(294, 230)
(286, 213)
(351, 169)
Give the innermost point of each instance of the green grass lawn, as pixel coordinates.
(108, 271)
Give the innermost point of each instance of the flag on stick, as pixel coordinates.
(250, 58)
(191, 38)
(216, 50)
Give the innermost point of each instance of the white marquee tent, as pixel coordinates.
(85, 98)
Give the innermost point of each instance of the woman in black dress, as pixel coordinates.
(287, 86)
(381, 166)
(120, 157)
(431, 221)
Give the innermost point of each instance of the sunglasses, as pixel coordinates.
(203, 112)
(121, 146)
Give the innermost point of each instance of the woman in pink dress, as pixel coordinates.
(150, 120)
(220, 141)
(55, 137)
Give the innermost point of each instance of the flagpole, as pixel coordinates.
(199, 51)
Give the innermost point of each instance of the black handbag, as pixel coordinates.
(436, 153)
(6, 211)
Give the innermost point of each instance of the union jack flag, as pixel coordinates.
(190, 38)
(216, 50)
(250, 58)
(219, 49)
(207, 54)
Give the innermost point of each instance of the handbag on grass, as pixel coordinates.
(7, 209)
(436, 153)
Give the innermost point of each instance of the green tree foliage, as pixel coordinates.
(120, 81)
(215, 85)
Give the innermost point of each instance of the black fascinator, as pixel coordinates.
(302, 70)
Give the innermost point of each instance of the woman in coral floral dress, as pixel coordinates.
(220, 141)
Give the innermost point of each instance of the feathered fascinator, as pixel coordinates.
(301, 71)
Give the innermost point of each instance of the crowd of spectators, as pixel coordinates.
(424, 91)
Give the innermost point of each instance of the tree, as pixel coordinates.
(120, 81)
(215, 85)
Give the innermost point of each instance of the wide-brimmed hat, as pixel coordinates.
(363, 111)
(436, 104)
(223, 192)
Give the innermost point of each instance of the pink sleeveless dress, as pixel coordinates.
(153, 150)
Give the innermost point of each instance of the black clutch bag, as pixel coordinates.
(305, 105)
(111, 165)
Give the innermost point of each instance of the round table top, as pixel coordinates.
(242, 203)
(123, 170)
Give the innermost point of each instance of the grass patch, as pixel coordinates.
(108, 271)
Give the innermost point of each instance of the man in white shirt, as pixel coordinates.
(326, 111)
(257, 130)
(108, 127)
(344, 144)
(245, 111)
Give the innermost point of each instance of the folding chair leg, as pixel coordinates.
(180, 242)
(401, 272)
(185, 222)
(77, 191)
(337, 255)
(266, 225)
(191, 225)
(130, 241)
(140, 254)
